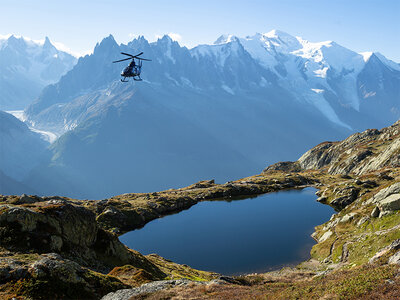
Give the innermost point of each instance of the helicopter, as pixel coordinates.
(134, 68)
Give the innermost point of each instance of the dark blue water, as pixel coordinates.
(240, 236)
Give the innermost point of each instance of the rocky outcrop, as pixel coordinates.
(384, 193)
(53, 275)
(318, 157)
(71, 230)
(389, 204)
(360, 153)
(50, 275)
(345, 196)
(386, 200)
(286, 166)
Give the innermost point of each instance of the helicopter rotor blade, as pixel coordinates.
(131, 54)
(143, 59)
(127, 54)
(122, 60)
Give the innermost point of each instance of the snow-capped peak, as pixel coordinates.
(224, 39)
(278, 34)
(331, 55)
(282, 40)
(366, 55)
(22, 41)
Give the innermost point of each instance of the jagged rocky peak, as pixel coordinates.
(140, 41)
(47, 44)
(22, 45)
(107, 43)
(31, 64)
(166, 42)
(165, 38)
(14, 41)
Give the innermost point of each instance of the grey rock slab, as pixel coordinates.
(382, 194)
(147, 288)
(389, 204)
(395, 259)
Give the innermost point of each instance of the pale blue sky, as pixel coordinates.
(361, 25)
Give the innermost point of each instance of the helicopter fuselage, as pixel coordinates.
(134, 68)
(131, 70)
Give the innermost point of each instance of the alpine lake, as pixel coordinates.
(235, 237)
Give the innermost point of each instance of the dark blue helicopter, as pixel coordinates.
(134, 68)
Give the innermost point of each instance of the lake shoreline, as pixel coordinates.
(236, 236)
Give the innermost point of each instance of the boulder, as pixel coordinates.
(395, 259)
(54, 266)
(375, 212)
(347, 218)
(55, 277)
(382, 194)
(389, 204)
(24, 199)
(346, 196)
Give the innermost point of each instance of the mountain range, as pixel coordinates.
(218, 111)
(26, 67)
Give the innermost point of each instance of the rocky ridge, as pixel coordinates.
(53, 242)
(359, 154)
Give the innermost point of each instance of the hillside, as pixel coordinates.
(64, 242)
(21, 150)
